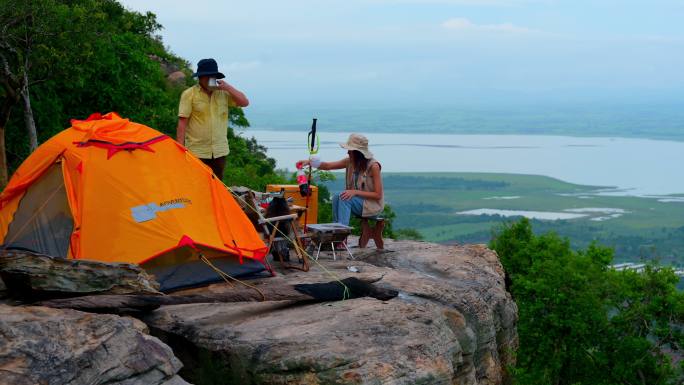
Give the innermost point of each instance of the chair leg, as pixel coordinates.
(299, 247)
(348, 251)
(319, 250)
(377, 234)
(271, 236)
(365, 233)
(332, 246)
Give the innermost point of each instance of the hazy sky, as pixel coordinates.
(413, 52)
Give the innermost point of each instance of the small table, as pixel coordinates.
(323, 233)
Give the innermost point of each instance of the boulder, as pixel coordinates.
(33, 276)
(177, 77)
(452, 323)
(39, 345)
(165, 65)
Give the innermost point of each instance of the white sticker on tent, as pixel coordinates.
(149, 211)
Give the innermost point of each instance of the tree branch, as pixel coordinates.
(38, 81)
(8, 25)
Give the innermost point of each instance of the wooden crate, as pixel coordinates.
(292, 190)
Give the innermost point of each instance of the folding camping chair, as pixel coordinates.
(270, 226)
(249, 201)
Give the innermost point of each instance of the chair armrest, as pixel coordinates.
(277, 219)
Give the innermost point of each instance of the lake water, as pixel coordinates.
(546, 215)
(597, 214)
(637, 166)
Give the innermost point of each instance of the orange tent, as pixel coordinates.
(112, 190)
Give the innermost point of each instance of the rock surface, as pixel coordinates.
(453, 323)
(40, 345)
(36, 276)
(177, 77)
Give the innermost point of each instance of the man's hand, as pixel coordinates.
(348, 194)
(238, 97)
(223, 85)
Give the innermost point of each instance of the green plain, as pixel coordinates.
(430, 202)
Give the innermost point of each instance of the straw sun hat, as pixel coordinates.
(358, 142)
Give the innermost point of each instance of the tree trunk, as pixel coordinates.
(3, 159)
(29, 122)
(11, 86)
(4, 118)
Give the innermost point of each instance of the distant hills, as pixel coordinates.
(654, 121)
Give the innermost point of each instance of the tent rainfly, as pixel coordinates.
(112, 190)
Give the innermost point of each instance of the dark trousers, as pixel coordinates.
(217, 165)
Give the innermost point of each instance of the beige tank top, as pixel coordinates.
(365, 182)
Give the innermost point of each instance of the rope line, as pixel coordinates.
(227, 277)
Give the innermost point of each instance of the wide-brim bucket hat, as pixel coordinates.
(208, 67)
(359, 143)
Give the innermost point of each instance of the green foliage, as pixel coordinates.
(96, 56)
(410, 182)
(649, 228)
(238, 118)
(390, 216)
(324, 196)
(108, 58)
(584, 323)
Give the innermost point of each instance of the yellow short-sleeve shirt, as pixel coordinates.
(206, 135)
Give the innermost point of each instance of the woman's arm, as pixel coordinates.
(377, 183)
(336, 165)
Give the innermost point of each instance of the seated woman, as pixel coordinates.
(363, 195)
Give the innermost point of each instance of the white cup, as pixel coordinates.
(213, 84)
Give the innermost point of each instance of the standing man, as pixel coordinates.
(203, 116)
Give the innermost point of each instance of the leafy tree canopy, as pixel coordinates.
(88, 56)
(582, 322)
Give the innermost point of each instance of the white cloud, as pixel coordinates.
(463, 24)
